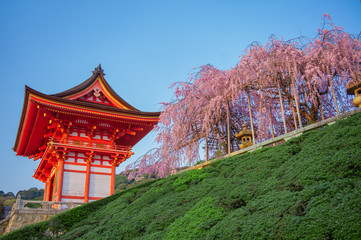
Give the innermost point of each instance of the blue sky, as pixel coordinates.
(143, 46)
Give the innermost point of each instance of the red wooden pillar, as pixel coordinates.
(54, 187)
(112, 180)
(87, 181)
(60, 180)
(46, 190)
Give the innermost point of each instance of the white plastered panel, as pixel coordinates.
(72, 200)
(73, 134)
(70, 160)
(101, 169)
(73, 184)
(74, 167)
(99, 185)
(80, 160)
(96, 162)
(106, 163)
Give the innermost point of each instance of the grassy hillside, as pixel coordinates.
(306, 188)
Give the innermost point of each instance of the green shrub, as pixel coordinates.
(196, 222)
(189, 178)
(306, 188)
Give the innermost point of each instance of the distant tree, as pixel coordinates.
(9, 194)
(9, 202)
(122, 182)
(31, 193)
(1, 210)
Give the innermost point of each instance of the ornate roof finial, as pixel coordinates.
(99, 69)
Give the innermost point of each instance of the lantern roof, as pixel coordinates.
(244, 132)
(352, 86)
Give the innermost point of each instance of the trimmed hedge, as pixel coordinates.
(306, 188)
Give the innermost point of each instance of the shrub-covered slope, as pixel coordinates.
(306, 188)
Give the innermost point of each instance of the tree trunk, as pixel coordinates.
(207, 156)
(250, 116)
(297, 103)
(334, 98)
(281, 102)
(228, 130)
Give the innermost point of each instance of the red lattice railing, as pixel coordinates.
(88, 144)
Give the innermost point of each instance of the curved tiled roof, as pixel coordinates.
(60, 100)
(98, 72)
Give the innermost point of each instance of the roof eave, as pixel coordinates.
(23, 113)
(94, 106)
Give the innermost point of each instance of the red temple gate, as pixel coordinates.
(81, 135)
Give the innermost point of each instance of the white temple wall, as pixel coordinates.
(99, 185)
(73, 183)
(74, 177)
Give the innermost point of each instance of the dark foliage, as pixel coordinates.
(32, 193)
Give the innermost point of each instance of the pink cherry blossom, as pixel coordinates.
(311, 74)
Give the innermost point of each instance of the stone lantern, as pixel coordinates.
(245, 136)
(355, 89)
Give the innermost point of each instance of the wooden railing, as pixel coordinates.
(281, 138)
(89, 144)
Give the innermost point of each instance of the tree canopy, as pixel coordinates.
(276, 87)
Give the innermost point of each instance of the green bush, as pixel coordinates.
(196, 222)
(189, 178)
(306, 188)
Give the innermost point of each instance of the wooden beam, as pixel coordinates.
(207, 154)
(297, 103)
(281, 102)
(139, 129)
(130, 132)
(250, 116)
(334, 98)
(321, 109)
(228, 130)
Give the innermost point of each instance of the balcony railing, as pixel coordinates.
(89, 145)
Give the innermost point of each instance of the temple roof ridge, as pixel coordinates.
(98, 73)
(99, 69)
